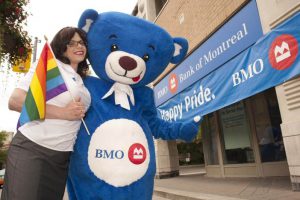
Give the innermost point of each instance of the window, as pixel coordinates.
(267, 123)
(209, 134)
(235, 131)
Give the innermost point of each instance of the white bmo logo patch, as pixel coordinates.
(118, 153)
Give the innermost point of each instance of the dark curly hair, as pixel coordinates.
(59, 46)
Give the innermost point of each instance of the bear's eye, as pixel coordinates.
(146, 57)
(114, 48)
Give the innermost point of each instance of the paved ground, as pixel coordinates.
(159, 198)
(199, 186)
(193, 185)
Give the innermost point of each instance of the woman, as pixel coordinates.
(38, 156)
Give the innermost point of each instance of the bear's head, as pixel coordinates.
(129, 50)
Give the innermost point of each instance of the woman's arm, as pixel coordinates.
(73, 111)
(17, 99)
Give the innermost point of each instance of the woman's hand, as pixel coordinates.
(74, 110)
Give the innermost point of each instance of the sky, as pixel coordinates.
(47, 18)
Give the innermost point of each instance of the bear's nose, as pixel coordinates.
(127, 63)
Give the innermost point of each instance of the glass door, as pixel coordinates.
(236, 134)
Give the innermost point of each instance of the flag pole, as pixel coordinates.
(85, 126)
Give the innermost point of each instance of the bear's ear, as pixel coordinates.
(181, 48)
(86, 19)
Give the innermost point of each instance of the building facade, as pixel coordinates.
(249, 134)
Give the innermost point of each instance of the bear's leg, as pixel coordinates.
(70, 188)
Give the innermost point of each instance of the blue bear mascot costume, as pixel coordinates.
(117, 161)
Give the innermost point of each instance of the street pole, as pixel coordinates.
(34, 49)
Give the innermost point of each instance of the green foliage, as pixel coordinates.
(3, 151)
(14, 41)
(3, 136)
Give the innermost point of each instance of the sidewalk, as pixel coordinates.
(198, 186)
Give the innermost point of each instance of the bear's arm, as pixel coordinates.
(163, 129)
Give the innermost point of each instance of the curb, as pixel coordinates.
(185, 195)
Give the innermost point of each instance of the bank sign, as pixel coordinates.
(272, 60)
(236, 35)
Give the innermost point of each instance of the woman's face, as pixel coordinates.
(76, 51)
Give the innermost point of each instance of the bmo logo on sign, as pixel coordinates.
(109, 154)
(173, 83)
(137, 153)
(283, 52)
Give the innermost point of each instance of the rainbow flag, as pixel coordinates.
(46, 83)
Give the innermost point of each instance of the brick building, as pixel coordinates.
(258, 135)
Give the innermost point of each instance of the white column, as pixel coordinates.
(289, 103)
(167, 163)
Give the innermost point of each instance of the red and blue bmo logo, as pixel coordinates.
(173, 83)
(283, 51)
(137, 153)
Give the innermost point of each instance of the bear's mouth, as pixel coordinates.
(134, 79)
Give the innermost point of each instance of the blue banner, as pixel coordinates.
(271, 61)
(240, 32)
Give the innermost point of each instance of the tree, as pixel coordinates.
(3, 150)
(14, 41)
